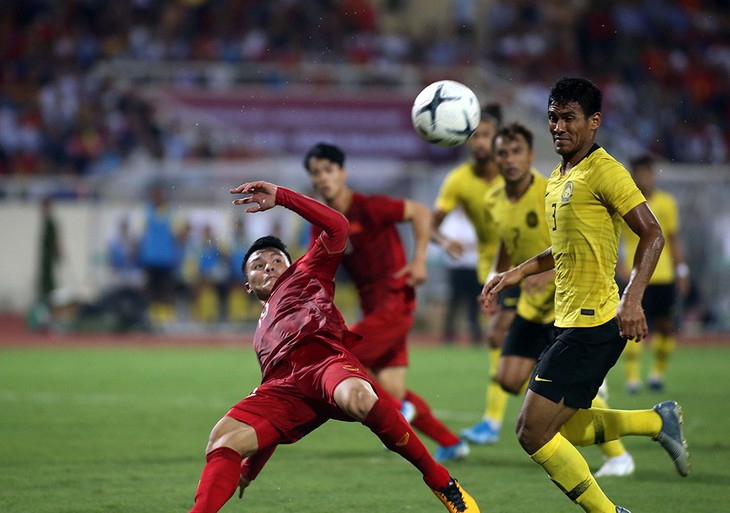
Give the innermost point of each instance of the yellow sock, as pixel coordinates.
(206, 305)
(598, 425)
(632, 361)
(570, 472)
(496, 397)
(663, 346)
(615, 447)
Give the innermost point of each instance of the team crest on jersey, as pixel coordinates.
(531, 219)
(567, 192)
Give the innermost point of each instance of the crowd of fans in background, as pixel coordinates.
(664, 66)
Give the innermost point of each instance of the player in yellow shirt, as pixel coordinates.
(671, 277)
(518, 212)
(587, 195)
(466, 187)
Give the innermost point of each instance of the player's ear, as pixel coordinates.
(595, 120)
(248, 288)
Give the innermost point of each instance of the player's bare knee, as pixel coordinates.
(511, 386)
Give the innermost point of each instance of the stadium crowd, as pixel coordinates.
(664, 66)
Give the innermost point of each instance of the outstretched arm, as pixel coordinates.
(537, 264)
(420, 218)
(265, 195)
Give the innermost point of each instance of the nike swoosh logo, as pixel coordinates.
(538, 378)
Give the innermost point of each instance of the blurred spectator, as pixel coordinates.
(157, 256)
(241, 306)
(211, 287)
(50, 252)
(123, 255)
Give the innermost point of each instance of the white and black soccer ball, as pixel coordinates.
(446, 113)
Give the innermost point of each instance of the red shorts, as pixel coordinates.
(384, 338)
(299, 395)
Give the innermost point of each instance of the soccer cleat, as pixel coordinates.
(619, 509)
(481, 433)
(455, 498)
(671, 437)
(619, 466)
(655, 383)
(408, 410)
(633, 387)
(458, 451)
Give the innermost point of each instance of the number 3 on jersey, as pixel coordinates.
(555, 221)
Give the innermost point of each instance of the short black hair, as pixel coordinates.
(580, 90)
(269, 241)
(492, 112)
(643, 160)
(512, 130)
(325, 151)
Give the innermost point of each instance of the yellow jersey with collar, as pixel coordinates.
(584, 209)
(523, 230)
(462, 187)
(664, 207)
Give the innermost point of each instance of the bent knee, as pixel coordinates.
(358, 401)
(233, 434)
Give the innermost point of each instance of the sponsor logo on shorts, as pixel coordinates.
(351, 368)
(403, 440)
(538, 378)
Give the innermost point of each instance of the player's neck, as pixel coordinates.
(342, 201)
(572, 160)
(515, 190)
(487, 170)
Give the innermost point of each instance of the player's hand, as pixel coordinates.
(242, 485)
(631, 319)
(453, 248)
(539, 282)
(498, 283)
(263, 196)
(415, 271)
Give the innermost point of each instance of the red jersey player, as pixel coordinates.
(308, 375)
(376, 261)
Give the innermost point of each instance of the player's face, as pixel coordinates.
(644, 178)
(572, 131)
(263, 269)
(480, 144)
(327, 177)
(513, 158)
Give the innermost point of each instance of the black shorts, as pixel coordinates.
(507, 298)
(527, 339)
(659, 301)
(573, 367)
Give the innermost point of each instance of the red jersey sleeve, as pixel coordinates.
(333, 224)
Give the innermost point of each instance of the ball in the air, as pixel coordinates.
(446, 113)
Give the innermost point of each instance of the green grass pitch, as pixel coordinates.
(123, 429)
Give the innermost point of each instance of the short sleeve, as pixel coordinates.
(448, 196)
(384, 210)
(614, 186)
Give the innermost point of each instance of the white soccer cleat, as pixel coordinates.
(617, 466)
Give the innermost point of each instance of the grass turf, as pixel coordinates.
(123, 429)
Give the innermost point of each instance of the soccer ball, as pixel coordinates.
(446, 113)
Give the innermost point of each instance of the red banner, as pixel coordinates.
(265, 122)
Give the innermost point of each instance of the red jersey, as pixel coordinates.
(301, 303)
(375, 251)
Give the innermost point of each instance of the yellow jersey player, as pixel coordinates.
(671, 277)
(466, 187)
(587, 195)
(518, 211)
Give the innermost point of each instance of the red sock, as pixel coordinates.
(428, 424)
(386, 421)
(219, 480)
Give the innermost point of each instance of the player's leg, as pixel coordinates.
(537, 431)
(618, 461)
(488, 429)
(663, 343)
(567, 377)
(352, 392)
(632, 366)
(230, 441)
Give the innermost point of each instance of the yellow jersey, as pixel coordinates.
(664, 207)
(523, 230)
(462, 187)
(584, 210)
